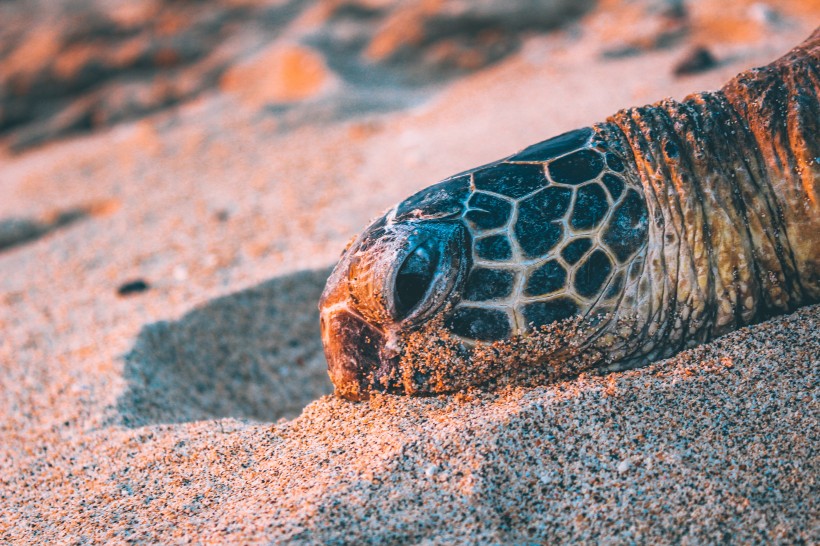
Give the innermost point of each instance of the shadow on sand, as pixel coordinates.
(256, 354)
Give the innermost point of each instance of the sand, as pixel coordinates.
(716, 445)
(198, 410)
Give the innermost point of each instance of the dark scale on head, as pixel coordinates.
(575, 250)
(479, 323)
(510, 179)
(438, 201)
(628, 226)
(593, 273)
(536, 241)
(615, 286)
(487, 211)
(577, 168)
(614, 162)
(488, 284)
(614, 184)
(554, 147)
(546, 279)
(536, 229)
(542, 313)
(590, 207)
(493, 247)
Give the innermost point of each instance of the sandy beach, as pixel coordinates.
(165, 236)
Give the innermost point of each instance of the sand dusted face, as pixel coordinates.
(479, 260)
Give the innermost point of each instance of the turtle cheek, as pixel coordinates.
(357, 360)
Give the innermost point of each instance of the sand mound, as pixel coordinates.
(716, 445)
(256, 354)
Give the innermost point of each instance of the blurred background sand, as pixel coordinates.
(176, 178)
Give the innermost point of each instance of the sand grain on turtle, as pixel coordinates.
(606, 247)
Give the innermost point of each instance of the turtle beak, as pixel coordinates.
(357, 360)
(356, 357)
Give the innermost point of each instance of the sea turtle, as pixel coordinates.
(602, 248)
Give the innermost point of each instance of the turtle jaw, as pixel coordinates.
(359, 359)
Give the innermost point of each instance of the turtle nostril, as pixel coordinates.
(413, 280)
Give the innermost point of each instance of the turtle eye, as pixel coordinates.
(413, 280)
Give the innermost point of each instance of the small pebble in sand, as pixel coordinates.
(698, 59)
(132, 288)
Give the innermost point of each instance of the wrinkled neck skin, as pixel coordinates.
(731, 182)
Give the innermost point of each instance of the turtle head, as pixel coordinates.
(398, 274)
(484, 258)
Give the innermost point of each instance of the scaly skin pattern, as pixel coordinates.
(730, 180)
(605, 247)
